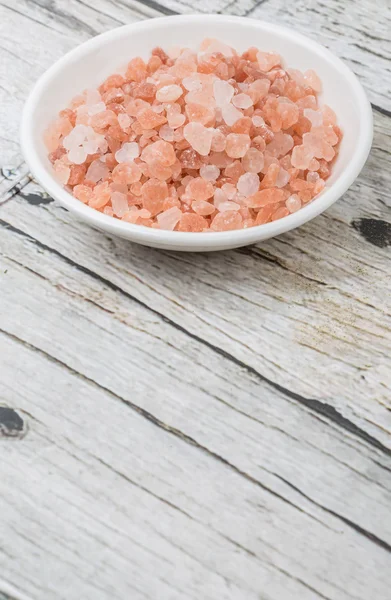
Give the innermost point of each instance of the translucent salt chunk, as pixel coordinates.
(230, 114)
(119, 203)
(315, 116)
(224, 206)
(199, 137)
(128, 152)
(283, 178)
(97, 171)
(242, 101)
(223, 92)
(248, 184)
(209, 172)
(169, 218)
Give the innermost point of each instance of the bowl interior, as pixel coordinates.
(89, 64)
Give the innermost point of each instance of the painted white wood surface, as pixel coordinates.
(194, 426)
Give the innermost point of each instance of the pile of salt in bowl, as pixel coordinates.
(197, 141)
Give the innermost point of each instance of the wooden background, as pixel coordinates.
(202, 427)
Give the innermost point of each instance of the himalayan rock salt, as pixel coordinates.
(209, 172)
(314, 116)
(248, 184)
(253, 161)
(83, 193)
(242, 101)
(169, 218)
(234, 171)
(154, 193)
(62, 171)
(229, 190)
(264, 197)
(226, 221)
(218, 141)
(312, 80)
(203, 208)
(97, 171)
(199, 137)
(224, 206)
(283, 178)
(219, 196)
(268, 60)
(119, 203)
(230, 114)
(192, 222)
(293, 203)
(169, 93)
(128, 152)
(126, 173)
(237, 144)
(199, 189)
(189, 141)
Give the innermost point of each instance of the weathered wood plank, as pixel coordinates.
(133, 410)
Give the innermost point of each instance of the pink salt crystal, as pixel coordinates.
(199, 137)
(253, 161)
(203, 208)
(296, 75)
(218, 141)
(229, 190)
(161, 152)
(226, 221)
(248, 184)
(283, 178)
(199, 189)
(268, 60)
(154, 193)
(82, 193)
(289, 113)
(329, 116)
(293, 203)
(126, 173)
(169, 218)
(242, 101)
(312, 80)
(219, 196)
(119, 203)
(230, 114)
(190, 159)
(209, 172)
(62, 171)
(264, 197)
(265, 214)
(224, 206)
(149, 119)
(237, 144)
(166, 133)
(97, 171)
(315, 116)
(192, 222)
(281, 144)
(319, 186)
(124, 121)
(199, 113)
(280, 213)
(169, 93)
(192, 83)
(128, 152)
(313, 165)
(223, 92)
(312, 177)
(301, 157)
(258, 121)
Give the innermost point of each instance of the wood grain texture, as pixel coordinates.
(199, 426)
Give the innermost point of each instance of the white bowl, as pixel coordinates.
(89, 64)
